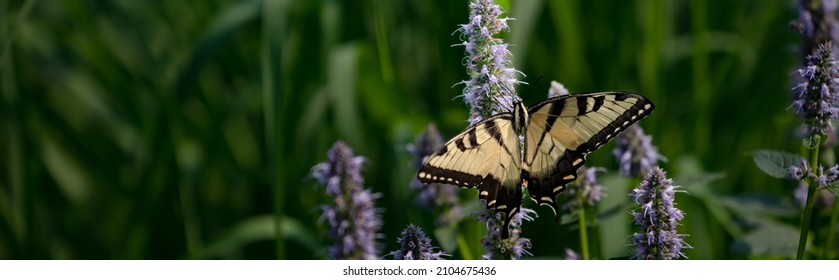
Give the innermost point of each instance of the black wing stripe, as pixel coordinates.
(582, 104)
(473, 137)
(598, 102)
(492, 129)
(442, 150)
(621, 97)
(460, 145)
(553, 114)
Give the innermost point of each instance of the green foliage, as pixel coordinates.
(776, 163)
(187, 129)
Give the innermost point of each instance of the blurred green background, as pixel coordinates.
(187, 129)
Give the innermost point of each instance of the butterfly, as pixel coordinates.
(558, 134)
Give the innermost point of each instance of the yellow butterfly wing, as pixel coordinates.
(562, 130)
(486, 156)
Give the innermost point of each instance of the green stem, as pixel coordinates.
(192, 224)
(583, 232)
(830, 249)
(381, 43)
(808, 207)
(464, 248)
(275, 104)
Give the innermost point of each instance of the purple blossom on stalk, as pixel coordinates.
(823, 178)
(802, 172)
(512, 248)
(827, 177)
(635, 152)
(585, 191)
(489, 90)
(352, 216)
(415, 245)
(816, 98)
(433, 196)
(657, 217)
(817, 23)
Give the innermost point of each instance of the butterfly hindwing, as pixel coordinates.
(487, 156)
(562, 130)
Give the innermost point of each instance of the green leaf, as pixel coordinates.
(700, 179)
(770, 239)
(259, 228)
(447, 237)
(833, 188)
(775, 163)
(760, 205)
(341, 87)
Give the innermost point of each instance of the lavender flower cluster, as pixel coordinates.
(816, 98)
(585, 191)
(657, 217)
(490, 88)
(823, 178)
(353, 219)
(635, 152)
(415, 245)
(512, 248)
(802, 171)
(817, 23)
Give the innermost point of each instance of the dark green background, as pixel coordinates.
(175, 129)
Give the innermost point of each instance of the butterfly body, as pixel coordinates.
(558, 133)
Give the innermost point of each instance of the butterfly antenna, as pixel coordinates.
(534, 85)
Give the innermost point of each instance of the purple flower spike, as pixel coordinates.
(490, 88)
(816, 98)
(415, 245)
(817, 23)
(585, 191)
(635, 152)
(657, 217)
(353, 219)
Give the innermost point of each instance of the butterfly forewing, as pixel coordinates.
(562, 130)
(487, 157)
